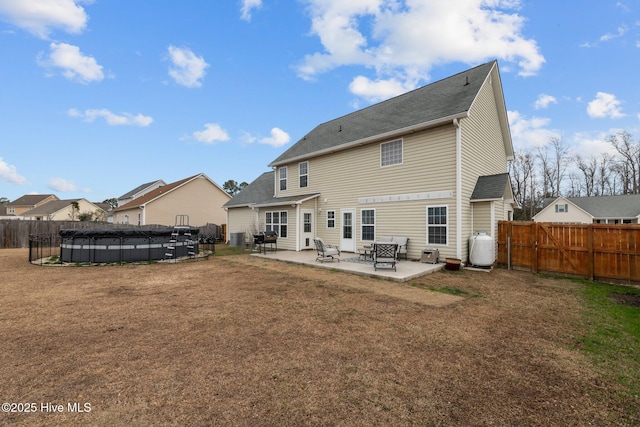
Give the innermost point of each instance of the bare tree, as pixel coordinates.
(589, 169)
(522, 170)
(629, 169)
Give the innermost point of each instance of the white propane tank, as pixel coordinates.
(481, 250)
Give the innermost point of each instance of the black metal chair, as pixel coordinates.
(384, 254)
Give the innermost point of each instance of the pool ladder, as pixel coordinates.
(180, 236)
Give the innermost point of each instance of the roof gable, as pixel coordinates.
(165, 189)
(433, 104)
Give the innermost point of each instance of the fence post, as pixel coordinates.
(534, 247)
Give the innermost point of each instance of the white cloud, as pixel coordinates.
(278, 138)
(605, 105)
(188, 69)
(544, 100)
(530, 133)
(406, 41)
(609, 36)
(75, 66)
(124, 119)
(10, 174)
(65, 186)
(247, 7)
(41, 17)
(211, 134)
(375, 91)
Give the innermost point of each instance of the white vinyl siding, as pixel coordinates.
(342, 178)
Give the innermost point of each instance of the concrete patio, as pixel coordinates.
(350, 263)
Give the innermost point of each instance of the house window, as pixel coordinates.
(437, 225)
(307, 222)
(276, 221)
(391, 153)
(331, 219)
(304, 174)
(283, 178)
(12, 210)
(368, 219)
(562, 208)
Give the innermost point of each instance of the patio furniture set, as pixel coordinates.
(384, 253)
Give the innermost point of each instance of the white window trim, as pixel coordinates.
(279, 224)
(334, 219)
(362, 224)
(401, 141)
(300, 175)
(446, 225)
(281, 179)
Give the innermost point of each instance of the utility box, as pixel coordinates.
(236, 240)
(430, 255)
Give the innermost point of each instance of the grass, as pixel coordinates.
(612, 335)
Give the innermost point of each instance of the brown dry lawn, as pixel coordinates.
(244, 341)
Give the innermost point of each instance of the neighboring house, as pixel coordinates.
(622, 209)
(28, 202)
(140, 190)
(198, 197)
(430, 165)
(66, 210)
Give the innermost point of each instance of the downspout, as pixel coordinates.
(299, 227)
(458, 126)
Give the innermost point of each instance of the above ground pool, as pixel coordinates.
(112, 245)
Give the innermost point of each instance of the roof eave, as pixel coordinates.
(374, 138)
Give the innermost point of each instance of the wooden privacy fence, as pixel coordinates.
(595, 251)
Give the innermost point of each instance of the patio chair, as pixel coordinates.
(326, 252)
(385, 254)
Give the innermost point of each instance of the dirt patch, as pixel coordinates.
(632, 300)
(247, 341)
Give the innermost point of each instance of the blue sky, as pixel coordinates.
(97, 96)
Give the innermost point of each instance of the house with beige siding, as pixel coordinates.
(430, 165)
(28, 202)
(66, 210)
(620, 209)
(197, 197)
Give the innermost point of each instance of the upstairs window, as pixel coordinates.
(304, 174)
(283, 178)
(562, 208)
(391, 153)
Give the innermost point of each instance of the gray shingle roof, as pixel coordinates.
(30, 199)
(260, 193)
(140, 188)
(621, 206)
(260, 190)
(448, 97)
(490, 187)
(51, 207)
